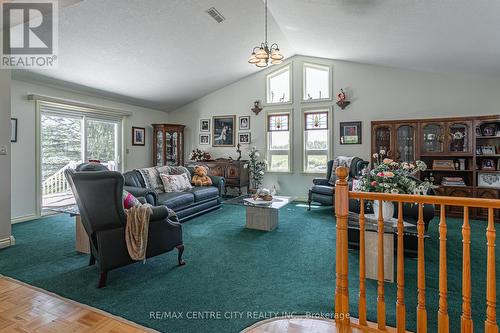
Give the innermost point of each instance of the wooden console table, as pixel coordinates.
(235, 172)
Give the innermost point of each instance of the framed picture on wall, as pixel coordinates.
(204, 125)
(350, 133)
(244, 138)
(13, 129)
(204, 139)
(224, 131)
(138, 136)
(244, 123)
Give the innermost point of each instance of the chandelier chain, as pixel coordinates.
(266, 22)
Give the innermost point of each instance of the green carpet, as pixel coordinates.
(236, 272)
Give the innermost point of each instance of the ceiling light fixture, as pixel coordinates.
(261, 54)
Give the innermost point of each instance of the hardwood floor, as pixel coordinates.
(25, 309)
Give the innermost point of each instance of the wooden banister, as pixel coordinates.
(342, 283)
(466, 319)
(421, 310)
(341, 204)
(400, 296)
(490, 324)
(443, 319)
(428, 199)
(362, 266)
(380, 270)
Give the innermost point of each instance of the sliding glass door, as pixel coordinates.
(68, 140)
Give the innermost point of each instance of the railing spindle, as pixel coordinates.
(466, 319)
(443, 319)
(342, 272)
(490, 324)
(380, 270)
(400, 297)
(362, 266)
(421, 311)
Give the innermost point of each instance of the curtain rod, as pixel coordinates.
(99, 108)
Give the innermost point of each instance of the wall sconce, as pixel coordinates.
(256, 107)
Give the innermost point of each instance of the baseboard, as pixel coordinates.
(9, 241)
(24, 218)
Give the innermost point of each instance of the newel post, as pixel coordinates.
(341, 213)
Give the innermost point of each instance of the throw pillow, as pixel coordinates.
(129, 200)
(175, 183)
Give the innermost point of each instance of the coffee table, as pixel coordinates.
(261, 216)
(371, 242)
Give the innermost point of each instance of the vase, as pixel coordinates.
(387, 209)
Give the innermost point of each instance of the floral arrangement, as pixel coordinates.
(200, 155)
(256, 168)
(389, 176)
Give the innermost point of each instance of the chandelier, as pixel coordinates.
(262, 54)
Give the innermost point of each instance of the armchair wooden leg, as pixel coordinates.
(91, 260)
(309, 200)
(102, 279)
(180, 248)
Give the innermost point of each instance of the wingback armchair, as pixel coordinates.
(99, 195)
(323, 189)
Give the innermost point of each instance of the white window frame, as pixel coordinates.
(287, 67)
(290, 140)
(330, 82)
(328, 110)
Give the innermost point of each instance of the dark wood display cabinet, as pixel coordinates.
(168, 144)
(466, 148)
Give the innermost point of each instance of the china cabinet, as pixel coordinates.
(168, 144)
(470, 144)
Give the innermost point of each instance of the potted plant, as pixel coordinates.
(256, 170)
(389, 176)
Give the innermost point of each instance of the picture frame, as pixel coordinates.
(204, 139)
(244, 123)
(488, 150)
(138, 136)
(244, 138)
(488, 164)
(443, 165)
(224, 134)
(204, 125)
(479, 150)
(13, 129)
(351, 133)
(498, 164)
(491, 179)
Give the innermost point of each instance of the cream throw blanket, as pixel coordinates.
(136, 230)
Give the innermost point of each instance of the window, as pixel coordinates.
(278, 142)
(278, 86)
(316, 82)
(316, 140)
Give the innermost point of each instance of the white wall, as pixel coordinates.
(23, 152)
(5, 167)
(376, 93)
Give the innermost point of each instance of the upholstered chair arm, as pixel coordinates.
(218, 182)
(145, 193)
(321, 181)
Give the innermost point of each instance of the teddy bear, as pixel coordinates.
(200, 177)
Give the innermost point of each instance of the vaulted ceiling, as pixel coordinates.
(163, 54)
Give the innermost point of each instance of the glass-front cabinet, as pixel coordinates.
(382, 139)
(432, 135)
(168, 144)
(459, 137)
(405, 148)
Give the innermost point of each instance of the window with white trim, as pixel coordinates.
(278, 86)
(279, 142)
(316, 140)
(316, 82)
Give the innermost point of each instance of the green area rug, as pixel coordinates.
(235, 277)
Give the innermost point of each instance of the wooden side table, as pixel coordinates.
(82, 243)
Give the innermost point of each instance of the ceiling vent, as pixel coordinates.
(215, 14)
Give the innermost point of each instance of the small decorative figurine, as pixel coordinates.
(256, 107)
(238, 151)
(342, 101)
